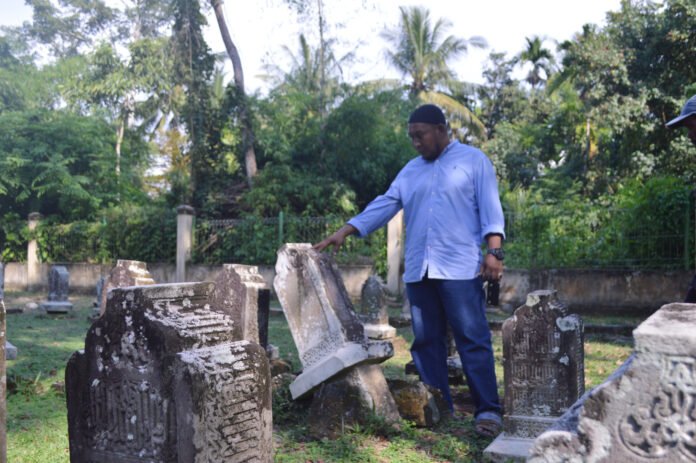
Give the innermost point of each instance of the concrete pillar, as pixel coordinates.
(395, 253)
(33, 265)
(184, 240)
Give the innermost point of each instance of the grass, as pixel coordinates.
(37, 423)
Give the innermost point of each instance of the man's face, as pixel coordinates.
(690, 124)
(426, 139)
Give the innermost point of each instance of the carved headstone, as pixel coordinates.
(125, 273)
(543, 363)
(327, 332)
(239, 292)
(162, 379)
(58, 284)
(645, 413)
(373, 310)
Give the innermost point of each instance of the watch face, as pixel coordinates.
(498, 253)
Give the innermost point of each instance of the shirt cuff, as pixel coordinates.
(361, 229)
(492, 229)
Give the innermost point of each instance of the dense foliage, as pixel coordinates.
(129, 116)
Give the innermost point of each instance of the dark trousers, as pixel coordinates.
(691, 292)
(434, 303)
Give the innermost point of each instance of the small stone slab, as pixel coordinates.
(56, 307)
(10, 351)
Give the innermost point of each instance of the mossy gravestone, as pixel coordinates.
(162, 378)
(543, 362)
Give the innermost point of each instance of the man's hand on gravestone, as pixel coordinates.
(337, 239)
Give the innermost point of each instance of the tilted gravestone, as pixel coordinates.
(330, 340)
(58, 285)
(646, 411)
(326, 330)
(242, 293)
(543, 363)
(162, 378)
(124, 273)
(373, 310)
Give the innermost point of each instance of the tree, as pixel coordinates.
(421, 51)
(244, 116)
(540, 58)
(55, 162)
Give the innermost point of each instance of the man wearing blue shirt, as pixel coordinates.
(450, 199)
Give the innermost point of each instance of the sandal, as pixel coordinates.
(488, 424)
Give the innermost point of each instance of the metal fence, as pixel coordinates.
(255, 240)
(536, 238)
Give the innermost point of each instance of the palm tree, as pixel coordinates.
(540, 58)
(421, 51)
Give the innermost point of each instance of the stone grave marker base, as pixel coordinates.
(56, 306)
(506, 449)
(349, 398)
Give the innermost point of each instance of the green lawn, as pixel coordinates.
(37, 425)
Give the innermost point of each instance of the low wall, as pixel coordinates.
(598, 291)
(584, 291)
(84, 277)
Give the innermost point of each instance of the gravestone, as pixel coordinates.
(124, 273)
(163, 379)
(240, 291)
(373, 310)
(326, 330)
(543, 363)
(645, 411)
(58, 285)
(337, 359)
(99, 289)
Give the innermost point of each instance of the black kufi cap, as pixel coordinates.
(428, 114)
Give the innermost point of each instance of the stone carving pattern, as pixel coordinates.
(233, 433)
(128, 417)
(668, 425)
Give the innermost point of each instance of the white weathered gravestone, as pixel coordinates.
(163, 379)
(58, 286)
(543, 362)
(646, 412)
(332, 345)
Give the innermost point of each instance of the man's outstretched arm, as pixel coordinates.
(337, 239)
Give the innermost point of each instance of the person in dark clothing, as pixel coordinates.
(687, 119)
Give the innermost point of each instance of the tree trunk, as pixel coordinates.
(247, 131)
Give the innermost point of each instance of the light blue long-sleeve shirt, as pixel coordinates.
(450, 205)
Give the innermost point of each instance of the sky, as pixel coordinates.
(260, 29)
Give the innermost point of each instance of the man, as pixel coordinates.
(687, 119)
(451, 204)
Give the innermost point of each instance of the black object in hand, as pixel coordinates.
(493, 293)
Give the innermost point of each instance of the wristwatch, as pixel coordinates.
(498, 253)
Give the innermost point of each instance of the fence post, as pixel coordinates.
(33, 265)
(280, 229)
(184, 240)
(395, 253)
